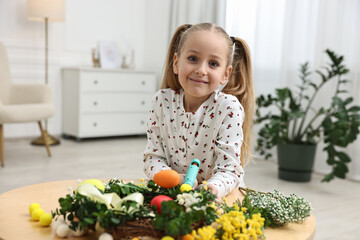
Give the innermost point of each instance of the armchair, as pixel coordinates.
(20, 103)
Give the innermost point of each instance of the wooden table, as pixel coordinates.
(16, 223)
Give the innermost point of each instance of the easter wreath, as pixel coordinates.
(125, 210)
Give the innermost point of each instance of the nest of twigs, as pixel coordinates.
(138, 228)
(142, 228)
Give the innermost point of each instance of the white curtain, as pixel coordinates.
(192, 12)
(282, 34)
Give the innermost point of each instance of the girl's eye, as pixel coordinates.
(192, 59)
(213, 64)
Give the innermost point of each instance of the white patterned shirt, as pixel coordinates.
(213, 134)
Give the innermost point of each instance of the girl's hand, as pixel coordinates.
(182, 178)
(214, 190)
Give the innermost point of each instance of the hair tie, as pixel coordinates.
(188, 26)
(233, 40)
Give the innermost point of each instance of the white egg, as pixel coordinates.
(55, 224)
(63, 230)
(106, 236)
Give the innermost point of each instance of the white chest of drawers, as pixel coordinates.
(100, 103)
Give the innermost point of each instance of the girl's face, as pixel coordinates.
(201, 66)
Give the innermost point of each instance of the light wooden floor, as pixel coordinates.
(336, 204)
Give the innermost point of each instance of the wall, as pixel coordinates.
(138, 24)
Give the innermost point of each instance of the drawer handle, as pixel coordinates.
(95, 103)
(95, 124)
(142, 102)
(143, 82)
(96, 82)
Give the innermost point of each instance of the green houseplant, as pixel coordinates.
(288, 119)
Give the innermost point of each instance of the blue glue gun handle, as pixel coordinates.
(191, 174)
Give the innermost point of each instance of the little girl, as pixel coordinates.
(191, 117)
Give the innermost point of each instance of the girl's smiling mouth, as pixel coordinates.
(200, 81)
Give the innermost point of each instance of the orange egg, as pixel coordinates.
(167, 178)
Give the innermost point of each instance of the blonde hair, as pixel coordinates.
(240, 83)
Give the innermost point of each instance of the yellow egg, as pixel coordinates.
(167, 178)
(167, 238)
(96, 182)
(37, 213)
(185, 187)
(45, 219)
(33, 206)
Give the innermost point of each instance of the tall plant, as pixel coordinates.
(296, 121)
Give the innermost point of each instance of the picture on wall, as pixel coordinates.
(108, 54)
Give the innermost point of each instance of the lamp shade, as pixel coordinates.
(53, 10)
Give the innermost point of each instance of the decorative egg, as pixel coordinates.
(158, 200)
(167, 178)
(56, 223)
(63, 230)
(185, 187)
(36, 214)
(96, 182)
(33, 206)
(45, 220)
(106, 236)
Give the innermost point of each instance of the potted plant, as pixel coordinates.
(290, 122)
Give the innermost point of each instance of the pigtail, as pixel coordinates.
(170, 78)
(240, 85)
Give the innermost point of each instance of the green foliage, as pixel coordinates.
(265, 213)
(82, 212)
(288, 117)
(174, 220)
(276, 208)
(149, 191)
(79, 207)
(110, 219)
(250, 210)
(187, 212)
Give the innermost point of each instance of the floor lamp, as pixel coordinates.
(46, 11)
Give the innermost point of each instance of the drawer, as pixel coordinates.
(115, 81)
(115, 102)
(112, 124)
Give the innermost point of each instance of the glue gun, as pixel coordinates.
(190, 176)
